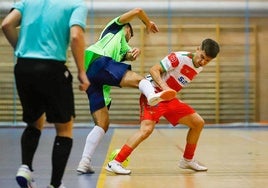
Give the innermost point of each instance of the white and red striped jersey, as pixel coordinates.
(179, 70)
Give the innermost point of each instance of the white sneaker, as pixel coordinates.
(85, 167)
(24, 177)
(191, 165)
(165, 95)
(61, 186)
(116, 167)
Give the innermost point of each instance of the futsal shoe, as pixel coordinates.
(117, 168)
(192, 164)
(85, 167)
(24, 177)
(165, 95)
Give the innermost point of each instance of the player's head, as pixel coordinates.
(210, 47)
(207, 51)
(129, 31)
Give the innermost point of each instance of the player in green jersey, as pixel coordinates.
(105, 68)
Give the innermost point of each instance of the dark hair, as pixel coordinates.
(210, 47)
(131, 29)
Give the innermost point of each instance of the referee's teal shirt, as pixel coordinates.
(45, 27)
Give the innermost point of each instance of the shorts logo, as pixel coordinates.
(66, 74)
(173, 59)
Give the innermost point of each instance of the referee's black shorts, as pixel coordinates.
(44, 86)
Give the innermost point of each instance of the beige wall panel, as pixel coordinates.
(179, 37)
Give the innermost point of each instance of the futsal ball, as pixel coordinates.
(113, 155)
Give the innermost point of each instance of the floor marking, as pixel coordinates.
(103, 172)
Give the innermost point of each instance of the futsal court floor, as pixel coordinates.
(236, 156)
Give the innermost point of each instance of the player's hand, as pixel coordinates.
(135, 52)
(84, 82)
(152, 27)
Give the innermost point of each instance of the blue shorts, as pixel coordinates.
(103, 71)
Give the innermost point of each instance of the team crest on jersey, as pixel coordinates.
(188, 72)
(173, 59)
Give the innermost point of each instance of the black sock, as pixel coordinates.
(29, 142)
(60, 155)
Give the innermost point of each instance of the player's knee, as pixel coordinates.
(199, 123)
(130, 79)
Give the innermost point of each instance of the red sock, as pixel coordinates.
(124, 153)
(189, 151)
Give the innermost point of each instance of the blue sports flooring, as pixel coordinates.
(236, 156)
(10, 158)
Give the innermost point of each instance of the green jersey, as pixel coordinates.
(112, 43)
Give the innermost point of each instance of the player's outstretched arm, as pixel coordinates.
(141, 14)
